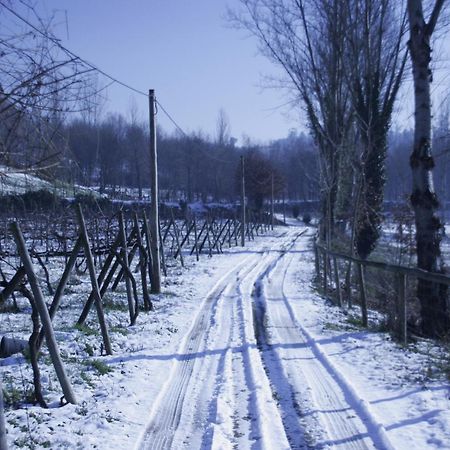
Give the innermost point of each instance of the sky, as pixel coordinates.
(188, 53)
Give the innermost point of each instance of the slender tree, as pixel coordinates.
(432, 296)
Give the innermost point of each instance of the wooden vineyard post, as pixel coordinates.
(148, 245)
(60, 288)
(196, 239)
(154, 213)
(161, 253)
(362, 287)
(3, 442)
(337, 281)
(94, 282)
(177, 238)
(143, 258)
(126, 267)
(242, 201)
(101, 280)
(402, 310)
(43, 314)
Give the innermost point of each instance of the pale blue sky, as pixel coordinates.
(183, 49)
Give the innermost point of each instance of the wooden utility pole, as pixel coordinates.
(242, 201)
(154, 212)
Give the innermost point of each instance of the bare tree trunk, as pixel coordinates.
(424, 200)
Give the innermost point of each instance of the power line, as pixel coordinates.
(171, 119)
(70, 53)
(207, 155)
(105, 74)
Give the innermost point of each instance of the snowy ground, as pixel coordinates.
(14, 181)
(240, 353)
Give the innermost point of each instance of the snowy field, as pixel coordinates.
(240, 353)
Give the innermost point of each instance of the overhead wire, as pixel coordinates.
(70, 52)
(107, 75)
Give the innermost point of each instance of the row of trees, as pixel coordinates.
(344, 61)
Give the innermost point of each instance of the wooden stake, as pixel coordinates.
(43, 313)
(94, 283)
(126, 267)
(90, 301)
(61, 286)
(402, 309)
(143, 258)
(148, 244)
(177, 239)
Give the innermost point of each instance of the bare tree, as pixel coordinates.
(432, 296)
(306, 39)
(39, 81)
(376, 55)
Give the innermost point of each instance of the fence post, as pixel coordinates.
(325, 272)
(316, 260)
(3, 442)
(362, 287)
(242, 201)
(402, 310)
(337, 281)
(272, 206)
(348, 286)
(44, 314)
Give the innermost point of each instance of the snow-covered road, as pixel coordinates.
(249, 375)
(240, 353)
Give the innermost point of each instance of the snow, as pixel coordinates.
(15, 181)
(241, 352)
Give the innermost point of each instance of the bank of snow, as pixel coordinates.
(405, 390)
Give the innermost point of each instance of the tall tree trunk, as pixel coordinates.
(432, 296)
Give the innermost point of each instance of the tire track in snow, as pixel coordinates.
(166, 413)
(195, 359)
(347, 418)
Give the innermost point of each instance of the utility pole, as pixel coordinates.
(272, 209)
(242, 201)
(154, 211)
